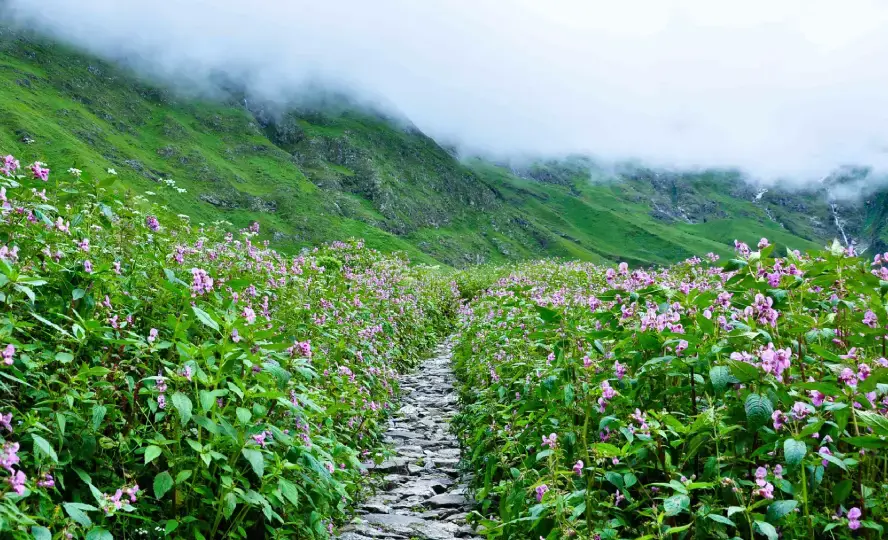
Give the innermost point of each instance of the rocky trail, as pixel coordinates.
(418, 490)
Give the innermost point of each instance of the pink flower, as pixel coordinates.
(578, 468)
(863, 371)
(8, 353)
(824, 451)
(779, 419)
(540, 491)
(848, 377)
(680, 348)
(816, 398)
(17, 481)
(152, 223)
(800, 410)
(763, 243)
(10, 165)
(550, 441)
(47, 482)
(854, 516)
(152, 335)
(6, 421)
(39, 170)
(249, 315)
(201, 282)
(767, 491)
(87, 266)
(619, 369)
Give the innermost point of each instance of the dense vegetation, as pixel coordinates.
(331, 171)
(166, 372)
(163, 377)
(698, 401)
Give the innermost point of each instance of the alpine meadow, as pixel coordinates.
(229, 317)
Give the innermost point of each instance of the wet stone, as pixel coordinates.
(418, 494)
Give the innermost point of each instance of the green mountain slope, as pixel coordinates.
(317, 174)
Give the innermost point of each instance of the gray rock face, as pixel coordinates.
(419, 495)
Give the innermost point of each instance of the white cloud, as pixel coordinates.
(791, 88)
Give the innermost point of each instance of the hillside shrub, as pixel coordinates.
(746, 400)
(161, 378)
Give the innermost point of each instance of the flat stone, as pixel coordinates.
(448, 499)
(418, 496)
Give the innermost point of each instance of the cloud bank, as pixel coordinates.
(786, 88)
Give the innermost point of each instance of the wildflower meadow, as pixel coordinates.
(162, 378)
(711, 399)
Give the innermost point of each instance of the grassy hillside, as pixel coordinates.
(311, 176)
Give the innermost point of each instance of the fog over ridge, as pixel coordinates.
(786, 90)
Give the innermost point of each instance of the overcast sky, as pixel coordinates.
(777, 87)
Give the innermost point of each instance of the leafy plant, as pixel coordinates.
(747, 400)
(162, 378)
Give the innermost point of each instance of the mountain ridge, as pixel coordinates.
(313, 174)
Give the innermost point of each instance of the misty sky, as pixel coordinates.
(777, 87)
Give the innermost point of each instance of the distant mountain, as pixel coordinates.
(329, 169)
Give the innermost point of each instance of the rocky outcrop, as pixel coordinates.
(419, 492)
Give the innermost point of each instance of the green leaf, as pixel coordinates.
(872, 442)
(721, 377)
(256, 459)
(77, 512)
(794, 451)
(778, 509)
(629, 480)
(841, 491)
(615, 478)
(243, 415)
(675, 530)
(205, 318)
(171, 526)
(40, 533)
(721, 519)
(152, 453)
(743, 371)
(163, 482)
(98, 414)
(765, 528)
(182, 476)
(289, 491)
(64, 357)
(874, 420)
(834, 460)
(676, 504)
(45, 447)
(230, 505)
(182, 403)
(99, 533)
(758, 409)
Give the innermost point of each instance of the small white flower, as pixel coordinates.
(182, 190)
(75, 172)
(150, 193)
(112, 171)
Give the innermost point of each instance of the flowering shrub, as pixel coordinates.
(162, 378)
(746, 400)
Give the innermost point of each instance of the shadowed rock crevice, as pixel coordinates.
(419, 493)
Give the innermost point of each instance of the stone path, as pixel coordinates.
(418, 494)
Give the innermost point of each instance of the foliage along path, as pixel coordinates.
(418, 494)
